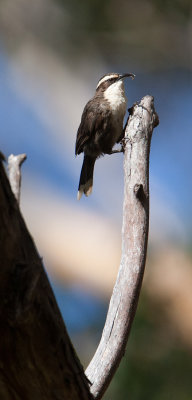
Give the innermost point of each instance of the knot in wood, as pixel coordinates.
(139, 193)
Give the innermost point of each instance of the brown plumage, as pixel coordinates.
(101, 126)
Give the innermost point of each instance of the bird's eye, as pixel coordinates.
(112, 79)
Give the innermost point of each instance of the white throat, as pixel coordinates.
(115, 95)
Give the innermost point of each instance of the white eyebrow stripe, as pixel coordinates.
(105, 78)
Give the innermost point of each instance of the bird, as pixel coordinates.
(101, 126)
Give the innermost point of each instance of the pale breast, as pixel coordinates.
(115, 95)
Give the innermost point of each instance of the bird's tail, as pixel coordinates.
(86, 177)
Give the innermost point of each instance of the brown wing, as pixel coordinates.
(92, 121)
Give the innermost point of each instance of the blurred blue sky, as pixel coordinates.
(171, 162)
(79, 308)
(23, 132)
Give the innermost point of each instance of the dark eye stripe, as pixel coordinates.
(109, 81)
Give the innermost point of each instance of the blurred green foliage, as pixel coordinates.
(98, 14)
(181, 8)
(127, 30)
(147, 33)
(157, 366)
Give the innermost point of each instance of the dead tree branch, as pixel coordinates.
(126, 291)
(37, 359)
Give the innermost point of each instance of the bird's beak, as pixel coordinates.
(121, 76)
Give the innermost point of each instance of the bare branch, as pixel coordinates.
(126, 291)
(37, 359)
(14, 168)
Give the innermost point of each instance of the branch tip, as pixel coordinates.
(14, 168)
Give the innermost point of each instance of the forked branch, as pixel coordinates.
(37, 358)
(124, 299)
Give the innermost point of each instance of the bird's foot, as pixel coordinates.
(116, 151)
(123, 144)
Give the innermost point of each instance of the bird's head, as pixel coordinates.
(111, 79)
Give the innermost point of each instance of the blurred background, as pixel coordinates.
(52, 54)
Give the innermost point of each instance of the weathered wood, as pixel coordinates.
(126, 291)
(37, 359)
(14, 168)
